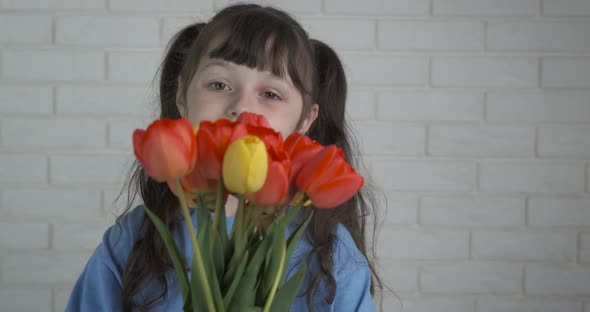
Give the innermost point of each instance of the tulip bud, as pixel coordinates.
(245, 165)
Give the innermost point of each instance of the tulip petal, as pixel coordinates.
(337, 191)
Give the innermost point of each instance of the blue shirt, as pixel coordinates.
(99, 286)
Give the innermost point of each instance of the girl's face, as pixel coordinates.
(221, 89)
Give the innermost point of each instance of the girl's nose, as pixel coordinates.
(241, 103)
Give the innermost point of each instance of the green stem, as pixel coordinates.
(200, 265)
(275, 283)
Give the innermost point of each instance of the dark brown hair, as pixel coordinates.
(267, 39)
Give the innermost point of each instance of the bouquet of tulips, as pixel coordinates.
(272, 179)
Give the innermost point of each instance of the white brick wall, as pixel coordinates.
(473, 117)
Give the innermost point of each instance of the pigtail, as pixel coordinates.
(330, 127)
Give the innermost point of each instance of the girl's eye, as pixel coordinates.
(218, 86)
(271, 95)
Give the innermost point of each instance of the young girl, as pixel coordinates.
(255, 59)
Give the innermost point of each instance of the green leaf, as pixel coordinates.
(177, 260)
(277, 235)
(197, 290)
(246, 294)
(236, 280)
(286, 294)
(294, 238)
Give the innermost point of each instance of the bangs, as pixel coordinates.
(267, 43)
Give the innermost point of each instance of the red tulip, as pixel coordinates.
(275, 188)
(301, 149)
(213, 139)
(328, 179)
(253, 119)
(167, 149)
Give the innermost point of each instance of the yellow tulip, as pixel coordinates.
(245, 165)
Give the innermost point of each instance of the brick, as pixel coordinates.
(486, 7)
(106, 31)
(477, 211)
(561, 106)
(426, 244)
(61, 298)
(121, 132)
(391, 70)
(429, 106)
(557, 280)
(42, 268)
(337, 32)
(103, 100)
(481, 141)
(24, 235)
(303, 6)
(26, 100)
(425, 303)
(47, 203)
(108, 169)
(538, 36)
(31, 29)
(531, 176)
(416, 175)
(585, 248)
(24, 64)
(62, 132)
(559, 211)
(566, 8)
(360, 105)
(78, 235)
(400, 276)
(15, 168)
(401, 208)
(133, 66)
(564, 141)
(160, 5)
(499, 304)
(428, 35)
(53, 4)
(471, 278)
(378, 7)
(24, 299)
(172, 25)
(524, 246)
(501, 72)
(566, 72)
(391, 139)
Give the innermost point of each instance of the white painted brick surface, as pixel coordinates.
(66, 5)
(522, 246)
(478, 141)
(425, 35)
(500, 72)
(26, 100)
(486, 7)
(561, 72)
(24, 65)
(562, 140)
(378, 7)
(106, 31)
(531, 176)
(562, 211)
(527, 305)
(545, 36)
(62, 132)
(472, 278)
(24, 235)
(472, 116)
(539, 107)
(566, 8)
(429, 106)
(481, 212)
(32, 29)
(23, 299)
(557, 280)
